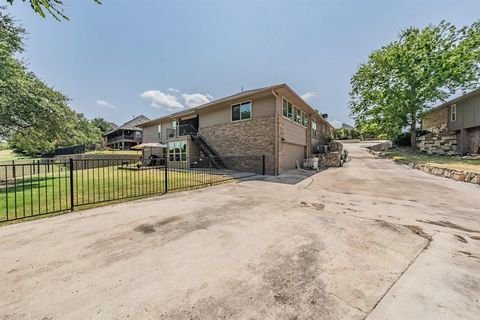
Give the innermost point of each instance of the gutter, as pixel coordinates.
(276, 133)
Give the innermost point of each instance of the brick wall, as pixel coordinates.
(254, 137)
(436, 121)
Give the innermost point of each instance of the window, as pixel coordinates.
(159, 130)
(304, 119)
(314, 128)
(177, 151)
(453, 112)
(242, 111)
(287, 109)
(293, 113)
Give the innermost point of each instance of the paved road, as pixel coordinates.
(347, 243)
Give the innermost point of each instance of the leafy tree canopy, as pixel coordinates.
(404, 78)
(102, 124)
(33, 116)
(52, 7)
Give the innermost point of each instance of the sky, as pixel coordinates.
(153, 57)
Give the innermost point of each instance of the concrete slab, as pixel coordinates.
(334, 246)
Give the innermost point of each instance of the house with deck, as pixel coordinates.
(454, 126)
(125, 136)
(272, 121)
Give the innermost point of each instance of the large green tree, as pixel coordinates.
(401, 80)
(52, 7)
(33, 116)
(102, 124)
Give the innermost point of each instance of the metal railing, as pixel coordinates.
(33, 188)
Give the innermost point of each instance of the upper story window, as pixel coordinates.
(242, 111)
(293, 113)
(453, 112)
(159, 131)
(287, 109)
(314, 128)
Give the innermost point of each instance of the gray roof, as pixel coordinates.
(453, 101)
(132, 124)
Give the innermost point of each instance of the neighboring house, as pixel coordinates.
(454, 126)
(272, 121)
(126, 136)
(347, 127)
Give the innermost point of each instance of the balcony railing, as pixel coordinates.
(183, 130)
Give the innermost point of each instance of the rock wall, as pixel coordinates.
(459, 175)
(438, 142)
(436, 120)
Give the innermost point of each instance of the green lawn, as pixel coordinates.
(50, 191)
(439, 161)
(9, 155)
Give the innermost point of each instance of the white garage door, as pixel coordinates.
(291, 153)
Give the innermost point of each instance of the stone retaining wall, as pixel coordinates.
(458, 175)
(441, 143)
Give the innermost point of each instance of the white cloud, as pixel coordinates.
(308, 95)
(335, 123)
(105, 104)
(175, 100)
(196, 99)
(158, 99)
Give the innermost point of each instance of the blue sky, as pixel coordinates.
(151, 57)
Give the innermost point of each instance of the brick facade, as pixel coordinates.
(252, 137)
(440, 140)
(436, 120)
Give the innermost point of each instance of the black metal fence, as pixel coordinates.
(38, 187)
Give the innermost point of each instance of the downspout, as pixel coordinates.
(276, 133)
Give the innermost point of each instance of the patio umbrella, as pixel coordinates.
(150, 145)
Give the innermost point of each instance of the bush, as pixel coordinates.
(403, 139)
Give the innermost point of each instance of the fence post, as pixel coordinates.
(166, 174)
(263, 165)
(72, 202)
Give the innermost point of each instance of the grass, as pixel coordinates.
(48, 192)
(9, 155)
(439, 161)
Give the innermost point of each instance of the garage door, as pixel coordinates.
(290, 154)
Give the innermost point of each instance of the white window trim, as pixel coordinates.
(293, 113)
(239, 104)
(453, 111)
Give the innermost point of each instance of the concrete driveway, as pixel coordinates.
(347, 243)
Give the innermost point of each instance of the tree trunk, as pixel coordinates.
(413, 133)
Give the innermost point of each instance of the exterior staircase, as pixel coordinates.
(204, 147)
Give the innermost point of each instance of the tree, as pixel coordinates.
(33, 116)
(403, 79)
(53, 7)
(102, 124)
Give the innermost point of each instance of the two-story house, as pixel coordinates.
(126, 136)
(454, 126)
(273, 121)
